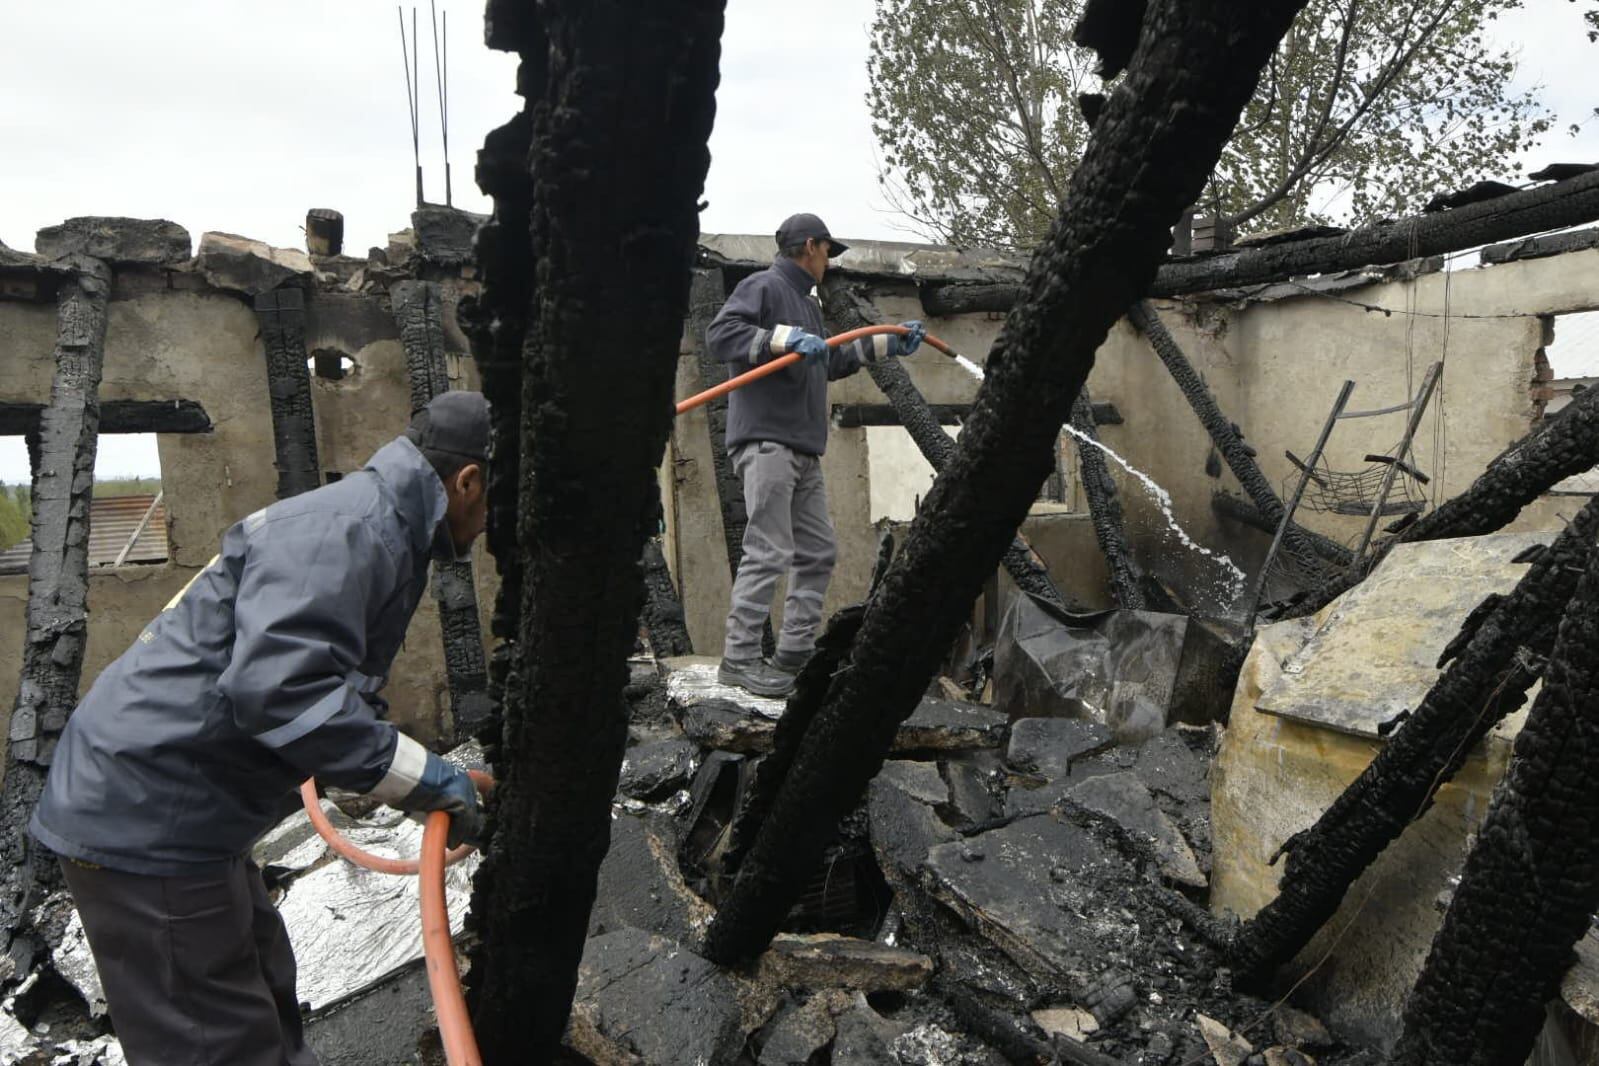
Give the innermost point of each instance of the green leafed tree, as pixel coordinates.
(14, 518)
(1367, 110)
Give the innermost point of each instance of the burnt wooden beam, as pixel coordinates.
(1196, 66)
(707, 292)
(846, 309)
(418, 311)
(856, 415)
(623, 96)
(281, 316)
(1241, 510)
(1223, 432)
(1572, 202)
(1492, 662)
(117, 416)
(1530, 885)
(58, 587)
(1105, 509)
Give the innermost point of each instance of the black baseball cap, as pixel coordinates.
(456, 422)
(797, 229)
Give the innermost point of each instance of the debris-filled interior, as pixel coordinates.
(1208, 672)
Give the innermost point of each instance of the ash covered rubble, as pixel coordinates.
(1011, 889)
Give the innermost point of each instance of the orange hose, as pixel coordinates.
(444, 979)
(702, 398)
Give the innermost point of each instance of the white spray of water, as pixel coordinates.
(1232, 576)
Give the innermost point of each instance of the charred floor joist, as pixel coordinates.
(58, 584)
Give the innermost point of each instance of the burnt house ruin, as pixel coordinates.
(1209, 666)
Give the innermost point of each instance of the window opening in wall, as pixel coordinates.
(127, 520)
(16, 511)
(1568, 364)
(330, 364)
(897, 474)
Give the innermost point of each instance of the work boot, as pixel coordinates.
(754, 675)
(790, 662)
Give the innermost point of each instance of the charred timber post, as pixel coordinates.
(1162, 129)
(707, 293)
(58, 579)
(281, 315)
(1110, 529)
(1572, 202)
(496, 323)
(1496, 658)
(1566, 444)
(623, 110)
(847, 309)
(1233, 451)
(1531, 883)
(418, 311)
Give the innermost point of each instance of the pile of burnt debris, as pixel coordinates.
(1010, 890)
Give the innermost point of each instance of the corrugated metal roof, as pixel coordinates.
(112, 521)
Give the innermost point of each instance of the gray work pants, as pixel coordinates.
(197, 970)
(789, 532)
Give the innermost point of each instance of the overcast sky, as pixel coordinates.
(238, 117)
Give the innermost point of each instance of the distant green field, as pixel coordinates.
(132, 486)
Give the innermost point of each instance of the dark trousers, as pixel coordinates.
(197, 970)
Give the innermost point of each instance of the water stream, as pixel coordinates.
(1231, 581)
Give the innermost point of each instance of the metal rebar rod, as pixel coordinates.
(1428, 383)
(1306, 472)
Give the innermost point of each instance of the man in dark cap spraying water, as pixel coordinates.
(262, 672)
(776, 434)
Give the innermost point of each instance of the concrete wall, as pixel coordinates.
(187, 342)
(1274, 367)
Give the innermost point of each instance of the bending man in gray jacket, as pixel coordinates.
(262, 672)
(776, 434)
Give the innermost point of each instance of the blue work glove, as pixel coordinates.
(812, 347)
(446, 787)
(912, 340)
(894, 345)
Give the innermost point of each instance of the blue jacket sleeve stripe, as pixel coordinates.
(312, 717)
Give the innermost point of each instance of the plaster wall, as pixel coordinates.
(189, 343)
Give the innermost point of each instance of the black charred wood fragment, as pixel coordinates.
(1487, 678)
(942, 299)
(1531, 882)
(617, 161)
(1556, 449)
(1111, 28)
(1562, 171)
(1092, 106)
(1475, 193)
(663, 608)
(1541, 247)
(281, 316)
(1105, 509)
(847, 309)
(1198, 64)
(58, 581)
